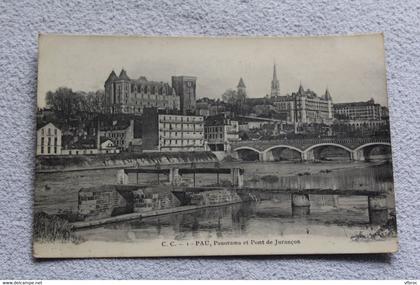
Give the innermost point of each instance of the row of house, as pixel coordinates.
(162, 131)
(50, 142)
(176, 132)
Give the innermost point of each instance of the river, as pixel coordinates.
(57, 192)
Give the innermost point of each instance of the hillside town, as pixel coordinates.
(141, 115)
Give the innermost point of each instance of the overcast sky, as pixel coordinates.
(352, 67)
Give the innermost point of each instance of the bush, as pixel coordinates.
(52, 228)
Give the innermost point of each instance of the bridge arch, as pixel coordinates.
(247, 148)
(363, 152)
(372, 144)
(308, 153)
(258, 154)
(283, 146)
(328, 144)
(266, 152)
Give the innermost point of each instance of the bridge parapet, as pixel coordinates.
(303, 144)
(358, 148)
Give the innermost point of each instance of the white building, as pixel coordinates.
(181, 133)
(220, 131)
(48, 140)
(359, 110)
(122, 134)
(172, 132)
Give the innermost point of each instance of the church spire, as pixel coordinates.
(241, 83)
(327, 94)
(275, 85)
(274, 73)
(301, 90)
(241, 89)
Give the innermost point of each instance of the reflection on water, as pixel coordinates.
(268, 217)
(273, 215)
(378, 178)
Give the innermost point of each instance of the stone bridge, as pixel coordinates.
(310, 149)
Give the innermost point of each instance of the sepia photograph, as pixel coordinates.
(206, 146)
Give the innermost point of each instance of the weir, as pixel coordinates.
(132, 200)
(175, 174)
(301, 203)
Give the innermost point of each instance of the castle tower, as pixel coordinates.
(110, 94)
(185, 88)
(123, 92)
(275, 85)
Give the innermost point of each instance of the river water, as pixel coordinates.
(328, 215)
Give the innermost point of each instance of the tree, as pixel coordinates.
(93, 102)
(230, 96)
(70, 106)
(236, 100)
(64, 102)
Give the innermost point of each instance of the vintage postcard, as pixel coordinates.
(183, 146)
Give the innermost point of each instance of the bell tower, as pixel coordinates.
(185, 88)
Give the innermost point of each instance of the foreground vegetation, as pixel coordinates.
(49, 228)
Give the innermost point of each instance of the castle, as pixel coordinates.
(131, 96)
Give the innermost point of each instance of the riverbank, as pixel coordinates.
(53, 164)
(134, 216)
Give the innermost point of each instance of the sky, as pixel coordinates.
(352, 67)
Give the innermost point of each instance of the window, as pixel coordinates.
(55, 131)
(48, 149)
(55, 149)
(42, 148)
(55, 141)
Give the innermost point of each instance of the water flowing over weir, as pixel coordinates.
(129, 198)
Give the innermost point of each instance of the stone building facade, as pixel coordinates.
(131, 96)
(48, 140)
(185, 88)
(220, 131)
(358, 110)
(122, 135)
(172, 132)
(304, 106)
